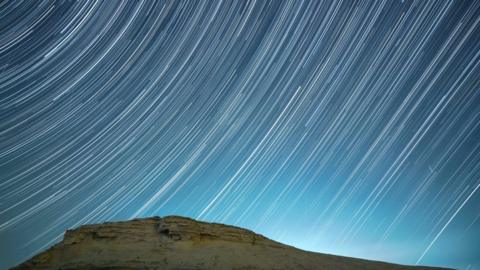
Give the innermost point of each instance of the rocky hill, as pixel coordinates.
(181, 243)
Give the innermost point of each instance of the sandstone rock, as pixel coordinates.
(181, 243)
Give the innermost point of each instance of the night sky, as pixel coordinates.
(343, 127)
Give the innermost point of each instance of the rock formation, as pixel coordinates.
(181, 243)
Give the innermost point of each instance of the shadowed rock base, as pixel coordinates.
(182, 243)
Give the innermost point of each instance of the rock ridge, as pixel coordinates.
(169, 228)
(175, 242)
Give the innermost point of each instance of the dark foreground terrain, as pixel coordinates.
(182, 243)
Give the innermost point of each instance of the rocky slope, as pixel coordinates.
(181, 243)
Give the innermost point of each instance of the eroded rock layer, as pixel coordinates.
(181, 243)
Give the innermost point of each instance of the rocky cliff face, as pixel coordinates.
(182, 243)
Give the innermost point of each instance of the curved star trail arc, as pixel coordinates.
(347, 127)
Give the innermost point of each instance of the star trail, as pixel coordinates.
(343, 127)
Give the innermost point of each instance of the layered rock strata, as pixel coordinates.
(181, 243)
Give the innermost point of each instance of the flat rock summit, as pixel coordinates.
(175, 242)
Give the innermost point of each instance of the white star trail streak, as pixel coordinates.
(345, 127)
